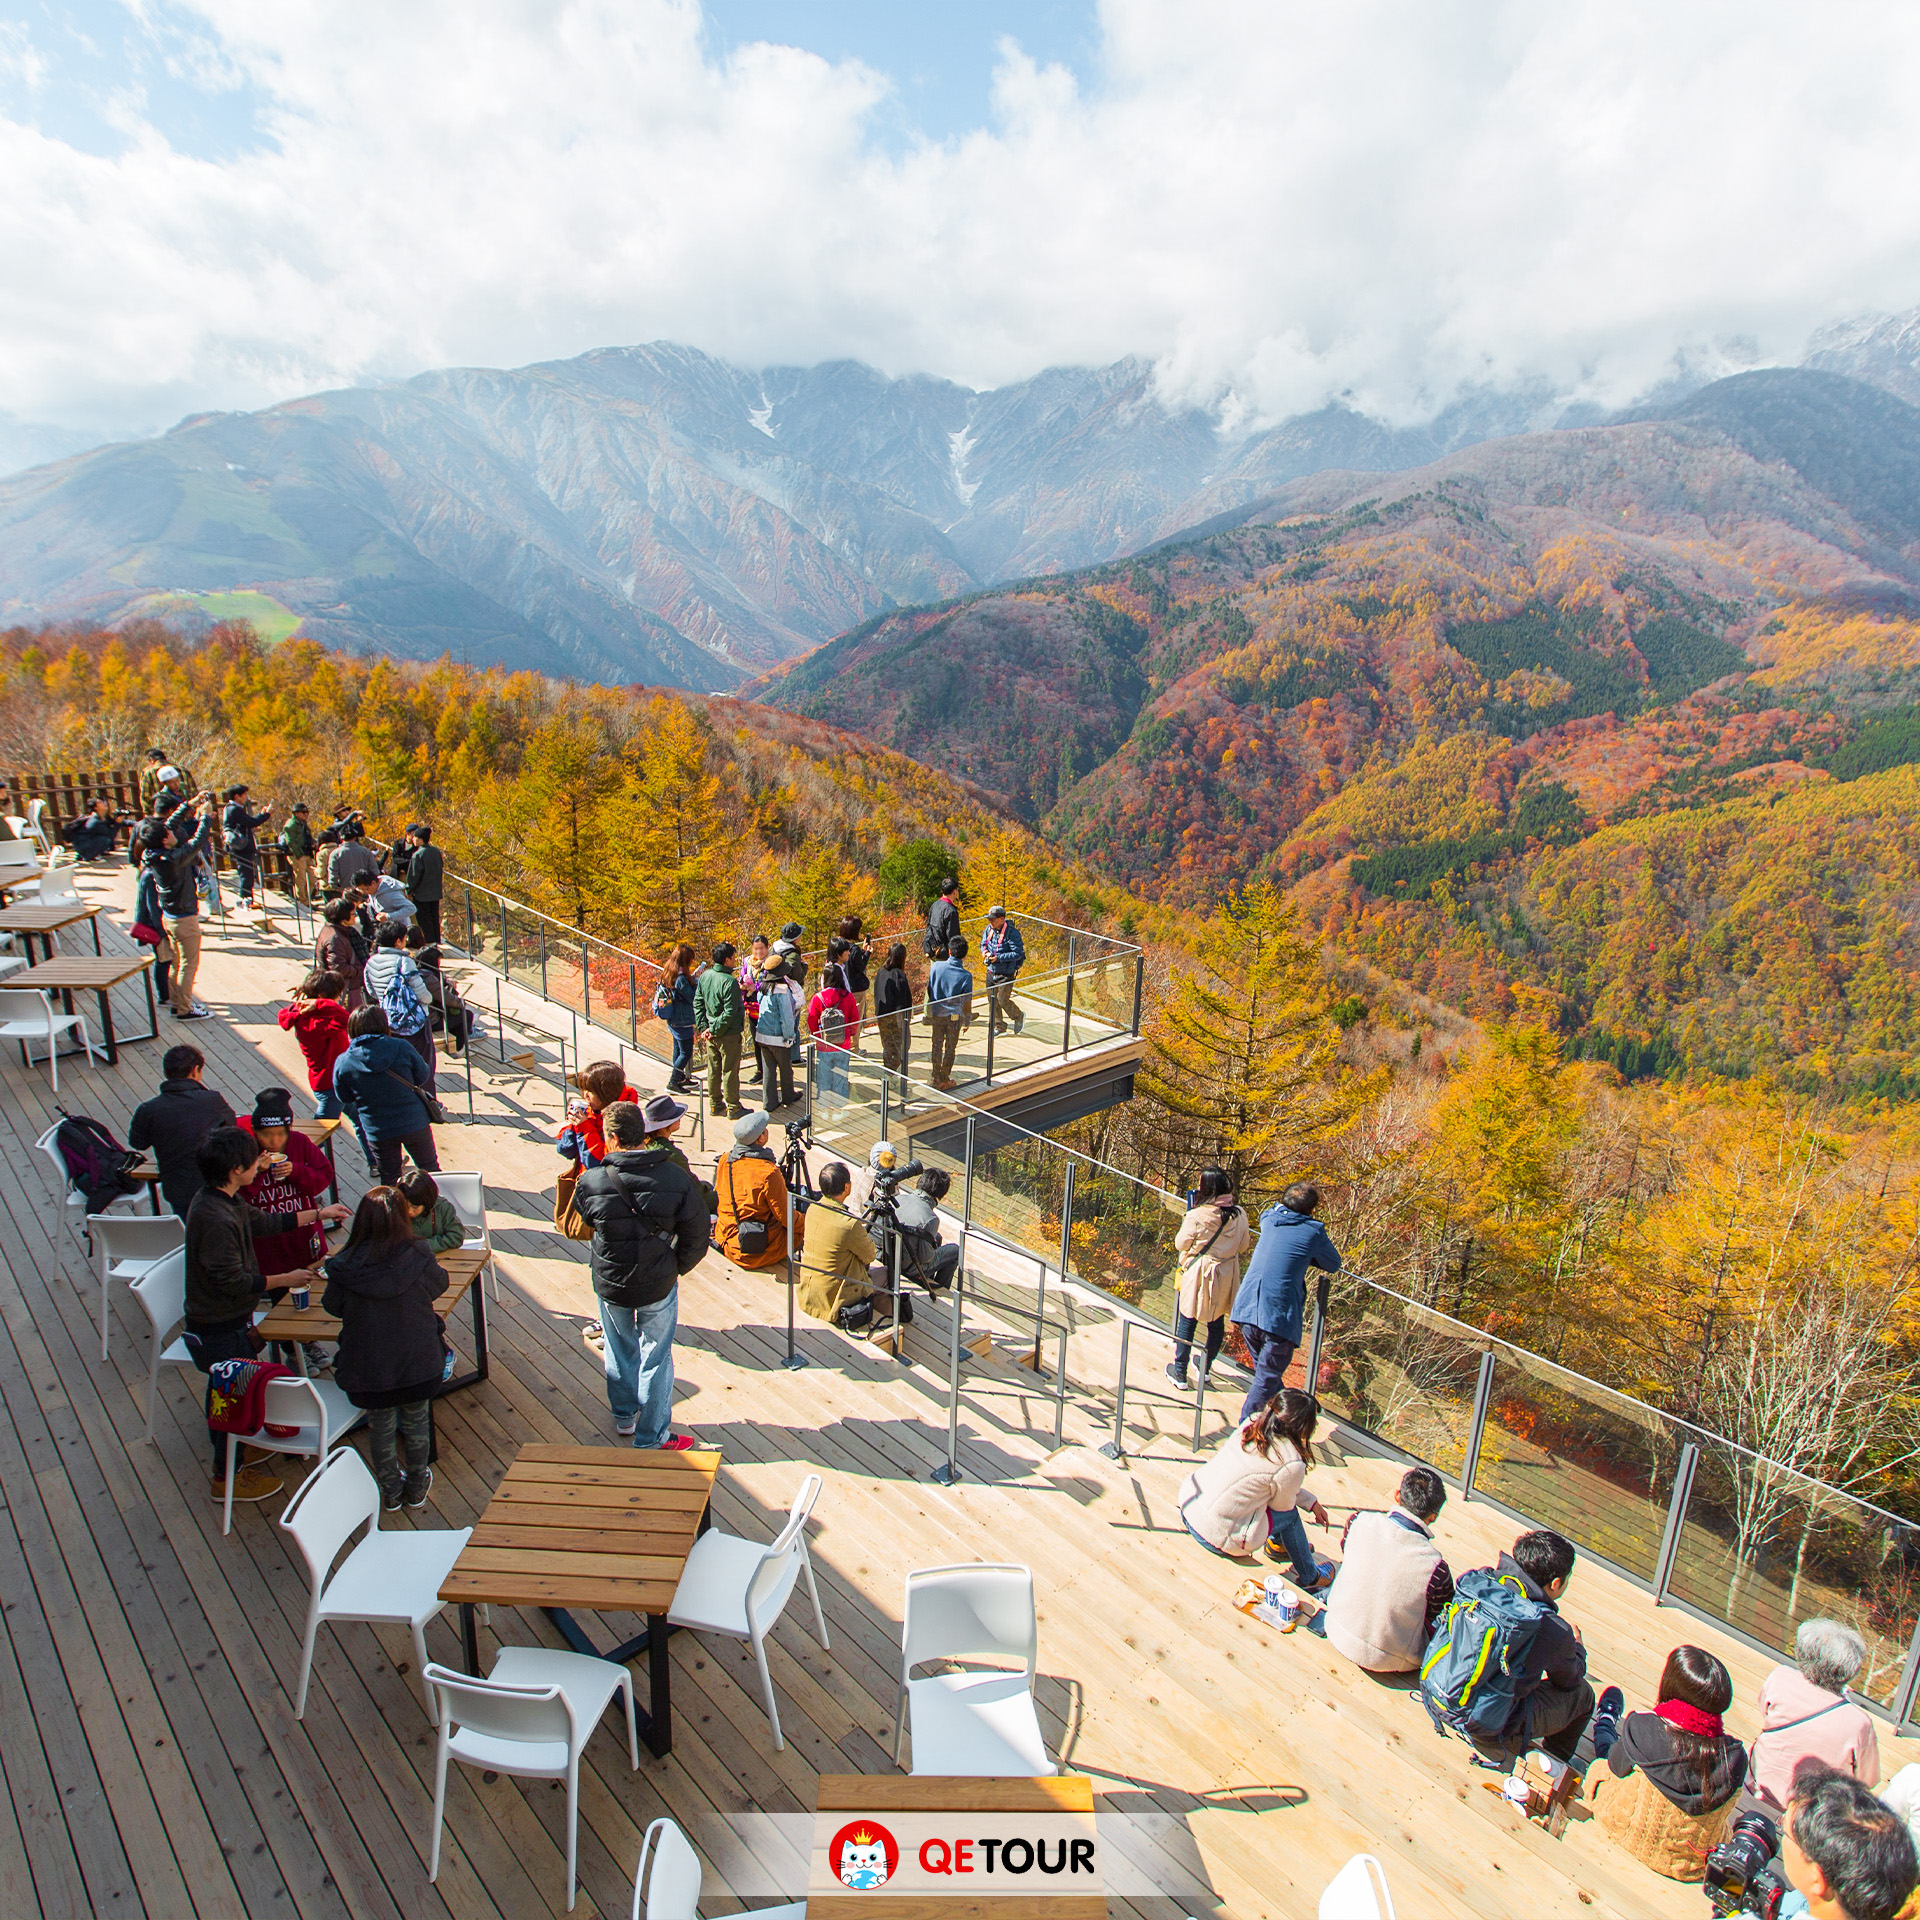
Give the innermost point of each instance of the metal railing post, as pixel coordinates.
(966, 1188)
(633, 1007)
(1066, 1016)
(586, 986)
(473, 940)
(991, 1011)
(1676, 1518)
(1322, 1296)
(1116, 1448)
(506, 949)
(795, 1358)
(1482, 1393)
(1060, 1391)
(883, 1103)
(1139, 986)
(499, 1023)
(543, 960)
(1909, 1683)
(949, 1470)
(1199, 1402)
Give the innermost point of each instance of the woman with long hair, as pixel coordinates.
(1252, 1489)
(855, 961)
(673, 1003)
(381, 1287)
(833, 1018)
(1210, 1241)
(1690, 1769)
(893, 1008)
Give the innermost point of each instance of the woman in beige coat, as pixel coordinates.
(1210, 1242)
(1252, 1490)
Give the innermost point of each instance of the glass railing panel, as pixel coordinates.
(1572, 1456)
(1397, 1370)
(1123, 1239)
(566, 960)
(1018, 1188)
(1763, 1548)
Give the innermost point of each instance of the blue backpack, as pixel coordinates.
(1481, 1654)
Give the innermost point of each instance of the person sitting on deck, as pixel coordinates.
(1673, 1775)
(1251, 1491)
(752, 1226)
(1804, 1712)
(841, 1279)
(1393, 1582)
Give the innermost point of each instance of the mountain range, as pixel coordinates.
(649, 513)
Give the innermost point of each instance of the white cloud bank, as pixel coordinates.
(1280, 200)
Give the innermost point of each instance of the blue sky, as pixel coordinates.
(98, 65)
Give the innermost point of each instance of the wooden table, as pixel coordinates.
(45, 922)
(464, 1266)
(942, 1843)
(608, 1528)
(67, 974)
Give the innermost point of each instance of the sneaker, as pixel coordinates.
(678, 1443)
(390, 1497)
(249, 1483)
(1178, 1378)
(1606, 1721)
(625, 1425)
(200, 1006)
(197, 1013)
(416, 1488)
(319, 1358)
(736, 1113)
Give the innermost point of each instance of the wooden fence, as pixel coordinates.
(68, 795)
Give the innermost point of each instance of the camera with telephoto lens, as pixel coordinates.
(1740, 1874)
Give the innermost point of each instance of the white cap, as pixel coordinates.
(169, 773)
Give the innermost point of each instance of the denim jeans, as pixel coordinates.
(1184, 1328)
(326, 1105)
(830, 1077)
(682, 1057)
(639, 1350)
(1288, 1530)
(1271, 1359)
(414, 1423)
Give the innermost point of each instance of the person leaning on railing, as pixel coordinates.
(1272, 1301)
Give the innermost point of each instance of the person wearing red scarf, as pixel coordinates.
(1683, 1746)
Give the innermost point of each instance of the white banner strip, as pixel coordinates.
(964, 1855)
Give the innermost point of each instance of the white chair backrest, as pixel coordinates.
(292, 1402)
(673, 1890)
(135, 1236)
(526, 1714)
(333, 1502)
(1358, 1892)
(18, 856)
(468, 1192)
(57, 888)
(162, 1291)
(970, 1613)
(27, 1003)
(767, 1575)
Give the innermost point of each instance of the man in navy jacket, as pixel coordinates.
(1272, 1299)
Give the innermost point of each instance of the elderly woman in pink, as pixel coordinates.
(1804, 1713)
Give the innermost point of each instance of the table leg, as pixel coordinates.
(97, 947)
(478, 1371)
(153, 1013)
(470, 1637)
(106, 1024)
(659, 1734)
(333, 1191)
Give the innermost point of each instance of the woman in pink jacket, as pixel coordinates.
(833, 1018)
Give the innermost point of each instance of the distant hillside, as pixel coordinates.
(1400, 696)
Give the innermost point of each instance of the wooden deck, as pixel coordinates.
(151, 1757)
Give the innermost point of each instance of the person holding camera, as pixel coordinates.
(908, 1219)
(171, 851)
(838, 1263)
(1846, 1853)
(92, 836)
(240, 827)
(752, 1221)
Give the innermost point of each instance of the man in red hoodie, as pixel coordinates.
(318, 1020)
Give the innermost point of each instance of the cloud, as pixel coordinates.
(1276, 202)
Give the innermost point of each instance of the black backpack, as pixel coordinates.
(95, 1161)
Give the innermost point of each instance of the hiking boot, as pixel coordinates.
(249, 1483)
(415, 1488)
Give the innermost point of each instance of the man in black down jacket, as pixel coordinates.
(425, 878)
(175, 1123)
(650, 1226)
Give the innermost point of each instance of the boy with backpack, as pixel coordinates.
(1503, 1669)
(394, 984)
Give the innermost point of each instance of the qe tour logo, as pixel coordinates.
(864, 1855)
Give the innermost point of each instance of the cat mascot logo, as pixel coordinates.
(863, 1855)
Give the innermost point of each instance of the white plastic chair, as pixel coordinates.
(390, 1578)
(318, 1412)
(468, 1192)
(57, 888)
(162, 1292)
(126, 1245)
(1358, 1892)
(672, 1892)
(20, 868)
(970, 1722)
(26, 1013)
(11, 963)
(66, 1200)
(531, 1717)
(739, 1588)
